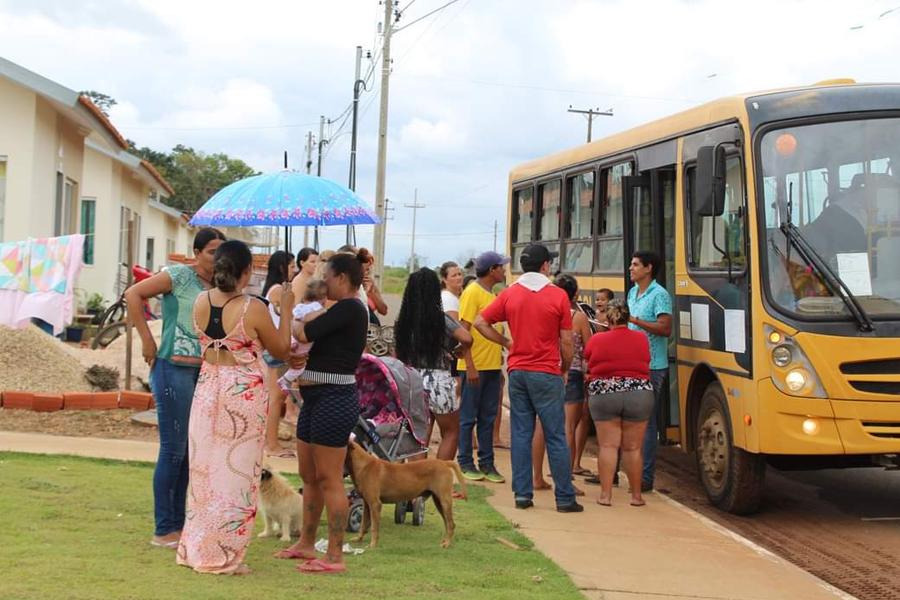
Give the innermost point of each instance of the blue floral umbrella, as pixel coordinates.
(285, 199)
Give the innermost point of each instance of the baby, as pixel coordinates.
(313, 300)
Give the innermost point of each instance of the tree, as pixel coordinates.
(195, 175)
(102, 101)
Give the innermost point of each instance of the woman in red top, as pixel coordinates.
(621, 399)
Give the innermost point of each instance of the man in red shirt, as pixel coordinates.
(540, 322)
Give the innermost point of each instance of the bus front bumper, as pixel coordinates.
(810, 426)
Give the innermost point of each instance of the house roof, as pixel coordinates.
(141, 167)
(95, 110)
(69, 103)
(156, 175)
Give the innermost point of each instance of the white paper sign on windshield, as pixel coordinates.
(853, 268)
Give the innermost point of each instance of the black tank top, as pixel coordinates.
(215, 328)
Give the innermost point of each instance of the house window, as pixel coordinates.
(88, 224)
(149, 262)
(2, 193)
(65, 205)
(170, 248)
(124, 218)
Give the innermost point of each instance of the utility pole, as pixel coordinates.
(309, 148)
(322, 143)
(495, 235)
(358, 84)
(415, 206)
(382, 139)
(287, 230)
(591, 113)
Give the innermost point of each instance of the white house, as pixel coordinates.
(64, 169)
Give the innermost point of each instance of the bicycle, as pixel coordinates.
(111, 324)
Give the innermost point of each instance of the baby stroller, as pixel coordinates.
(393, 423)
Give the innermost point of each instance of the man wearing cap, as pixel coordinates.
(540, 320)
(482, 365)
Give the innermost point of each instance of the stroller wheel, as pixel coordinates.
(387, 334)
(400, 513)
(355, 517)
(379, 348)
(418, 511)
(372, 334)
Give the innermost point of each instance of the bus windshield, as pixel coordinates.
(839, 184)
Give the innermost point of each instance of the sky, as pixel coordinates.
(475, 89)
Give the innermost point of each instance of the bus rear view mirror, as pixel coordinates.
(710, 193)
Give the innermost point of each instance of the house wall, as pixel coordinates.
(98, 185)
(17, 146)
(58, 148)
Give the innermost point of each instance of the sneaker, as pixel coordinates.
(646, 486)
(616, 479)
(574, 507)
(493, 475)
(473, 474)
(524, 503)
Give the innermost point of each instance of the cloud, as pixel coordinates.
(475, 89)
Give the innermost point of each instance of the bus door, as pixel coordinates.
(650, 225)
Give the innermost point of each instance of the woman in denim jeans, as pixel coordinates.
(175, 366)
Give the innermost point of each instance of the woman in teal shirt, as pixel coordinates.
(175, 366)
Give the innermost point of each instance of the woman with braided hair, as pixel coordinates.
(426, 339)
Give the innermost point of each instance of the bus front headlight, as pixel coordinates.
(782, 356)
(795, 380)
(791, 370)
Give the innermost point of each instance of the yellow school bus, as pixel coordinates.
(777, 216)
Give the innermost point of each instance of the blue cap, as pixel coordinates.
(489, 259)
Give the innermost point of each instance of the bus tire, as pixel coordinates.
(733, 478)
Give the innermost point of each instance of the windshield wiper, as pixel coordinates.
(831, 279)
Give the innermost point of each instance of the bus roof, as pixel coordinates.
(716, 111)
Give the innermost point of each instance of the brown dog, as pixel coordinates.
(379, 481)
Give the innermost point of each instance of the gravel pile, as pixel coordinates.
(113, 356)
(32, 361)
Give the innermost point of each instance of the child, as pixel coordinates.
(313, 300)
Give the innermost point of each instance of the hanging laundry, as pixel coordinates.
(14, 266)
(37, 279)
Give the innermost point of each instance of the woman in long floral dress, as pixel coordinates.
(228, 417)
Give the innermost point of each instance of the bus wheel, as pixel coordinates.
(733, 477)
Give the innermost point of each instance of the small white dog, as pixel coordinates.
(281, 506)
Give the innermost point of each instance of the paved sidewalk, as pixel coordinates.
(662, 551)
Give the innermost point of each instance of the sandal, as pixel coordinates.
(291, 554)
(583, 472)
(543, 486)
(592, 480)
(641, 503)
(320, 565)
(169, 545)
(604, 503)
(283, 453)
(458, 495)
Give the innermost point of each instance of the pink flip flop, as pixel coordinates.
(319, 565)
(290, 554)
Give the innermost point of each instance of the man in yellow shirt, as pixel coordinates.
(483, 367)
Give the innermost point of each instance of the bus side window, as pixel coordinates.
(550, 223)
(729, 233)
(522, 217)
(610, 249)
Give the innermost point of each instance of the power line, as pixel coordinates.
(399, 29)
(543, 88)
(247, 128)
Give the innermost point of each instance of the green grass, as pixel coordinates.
(76, 528)
(395, 280)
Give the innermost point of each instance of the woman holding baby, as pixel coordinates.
(330, 409)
